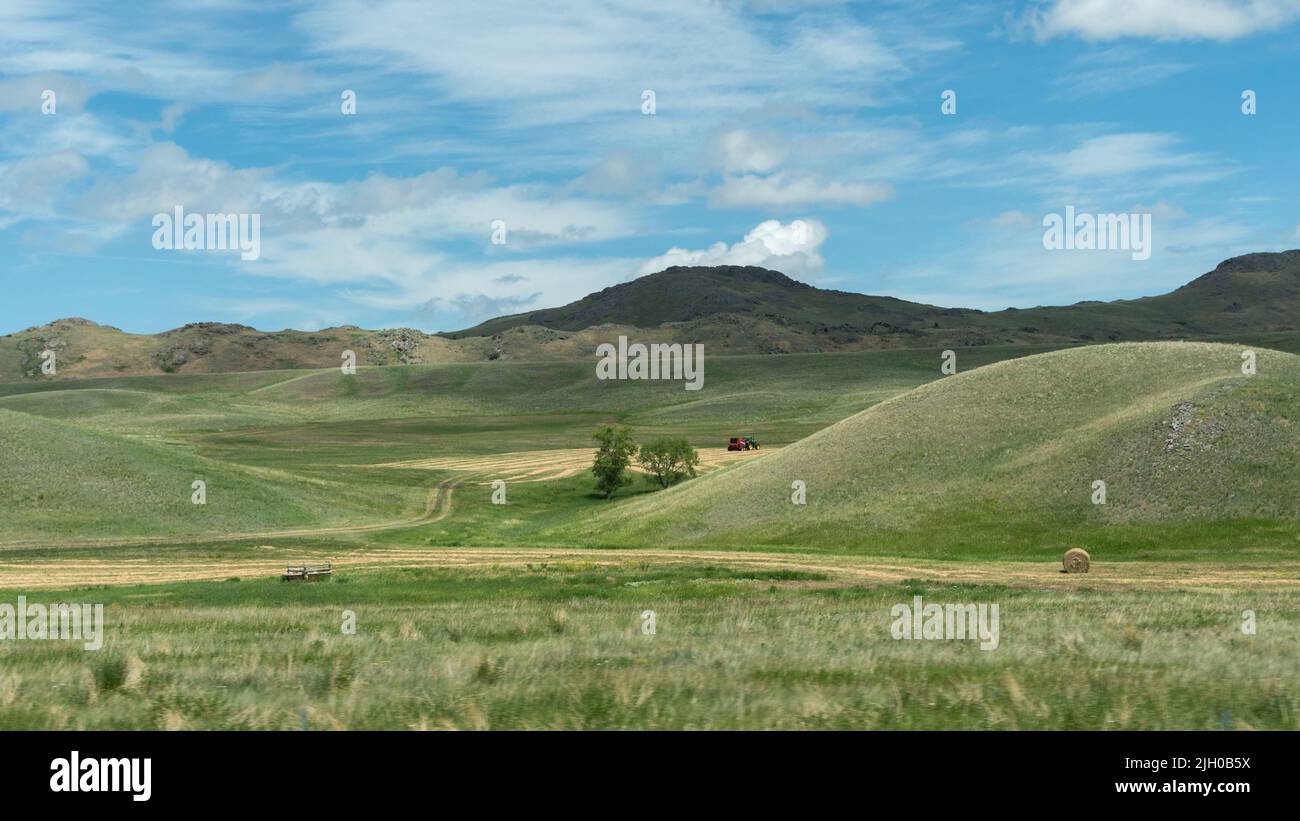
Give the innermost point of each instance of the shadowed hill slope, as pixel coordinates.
(1005, 457)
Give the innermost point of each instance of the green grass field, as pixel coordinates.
(558, 646)
(1000, 461)
(963, 489)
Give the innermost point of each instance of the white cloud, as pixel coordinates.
(83, 133)
(172, 116)
(396, 242)
(387, 237)
(444, 204)
(1010, 267)
(374, 228)
(1008, 219)
(743, 151)
(276, 79)
(620, 173)
(31, 187)
(575, 61)
(164, 176)
(1117, 154)
(1162, 19)
(783, 189)
(1114, 71)
(301, 316)
(1098, 171)
(444, 294)
(453, 296)
(99, 49)
(1161, 211)
(787, 247)
(23, 93)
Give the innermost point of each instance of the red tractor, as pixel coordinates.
(742, 443)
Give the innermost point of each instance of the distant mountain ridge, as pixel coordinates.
(1256, 292)
(730, 309)
(682, 294)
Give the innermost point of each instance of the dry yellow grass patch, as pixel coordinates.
(546, 465)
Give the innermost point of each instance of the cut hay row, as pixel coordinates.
(65, 574)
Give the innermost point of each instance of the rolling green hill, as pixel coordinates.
(115, 456)
(740, 390)
(996, 458)
(1001, 460)
(59, 480)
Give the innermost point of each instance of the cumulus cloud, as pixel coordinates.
(1162, 19)
(787, 247)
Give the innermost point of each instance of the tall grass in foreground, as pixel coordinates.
(558, 646)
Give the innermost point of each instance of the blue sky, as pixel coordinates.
(770, 116)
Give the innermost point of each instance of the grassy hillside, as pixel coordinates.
(59, 480)
(993, 461)
(806, 391)
(115, 456)
(1001, 461)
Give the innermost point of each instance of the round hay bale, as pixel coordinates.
(1077, 560)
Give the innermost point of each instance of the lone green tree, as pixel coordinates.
(668, 461)
(613, 459)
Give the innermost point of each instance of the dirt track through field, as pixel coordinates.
(552, 464)
(527, 466)
(545, 465)
(838, 570)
